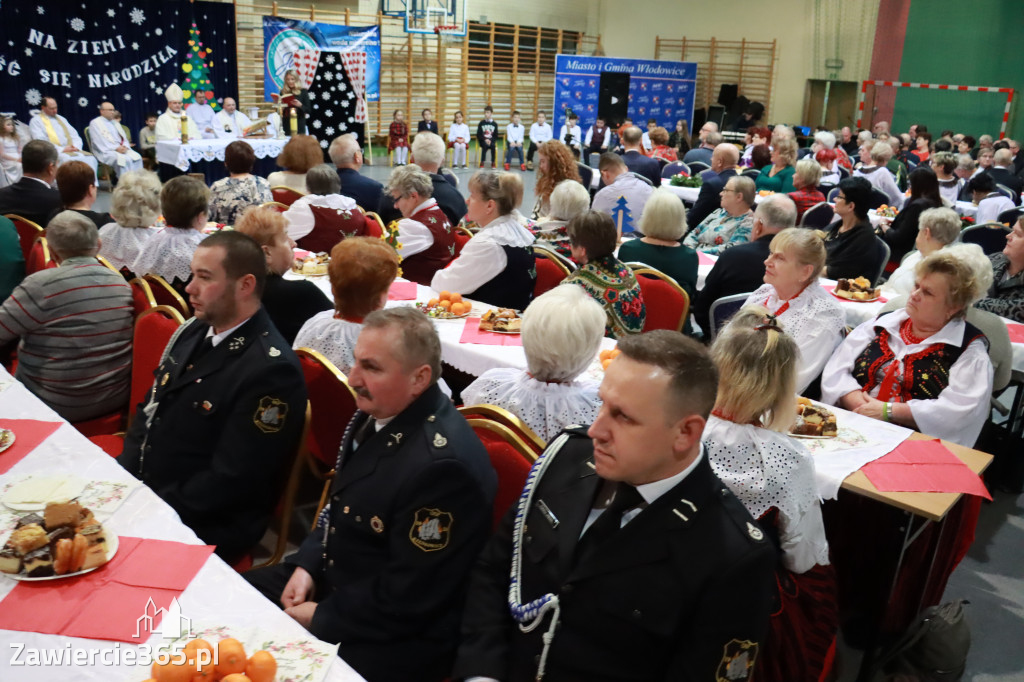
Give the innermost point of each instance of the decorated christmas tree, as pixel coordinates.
(196, 68)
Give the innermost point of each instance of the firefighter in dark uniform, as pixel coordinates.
(385, 572)
(216, 432)
(629, 559)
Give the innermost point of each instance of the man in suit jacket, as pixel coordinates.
(1001, 171)
(635, 160)
(33, 197)
(740, 269)
(710, 139)
(385, 573)
(346, 154)
(631, 561)
(723, 167)
(227, 407)
(429, 149)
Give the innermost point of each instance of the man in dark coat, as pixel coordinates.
(33, 197)
(346, 154)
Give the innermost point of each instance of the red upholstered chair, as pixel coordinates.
(462, 237)
(667, 304)
(286, 195)
(374, 225)
(509, 420)
(142, 296)
(333, 404)
(511, 459)
(166, 295)
(276, 205)
(550, 271)
(38, 257)
(28, 232)
(105, 263)
(153, 329)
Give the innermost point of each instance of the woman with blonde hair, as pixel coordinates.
(496, 266)
(361, 272)
(791, 293)
(555, 163)
(779, 178)
(663, 224)
(293, 98)
(288, 302)
(300, 153)
(135, 207)
(773, 476)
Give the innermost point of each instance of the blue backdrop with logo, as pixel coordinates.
(658, 89)
(282, 37)
(127, 53)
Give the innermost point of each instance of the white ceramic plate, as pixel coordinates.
(112, 544)
(64, 488)
(6, 439)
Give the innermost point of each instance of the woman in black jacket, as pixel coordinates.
(924, 194)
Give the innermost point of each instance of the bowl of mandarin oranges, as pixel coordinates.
(447, 306)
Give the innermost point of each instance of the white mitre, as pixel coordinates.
(173, 93)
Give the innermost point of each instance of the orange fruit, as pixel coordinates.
(433, 302)
(235, 677)
(455, 298)
(230, 657)
(604, 355)
(446, 296)
(461, 308)
(606, 362)
(262, 667)
(204, 668)
(445, 303)
(173, 672)
(615, 353)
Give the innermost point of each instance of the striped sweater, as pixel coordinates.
(75, 325)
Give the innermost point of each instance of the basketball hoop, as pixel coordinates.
(447, 33)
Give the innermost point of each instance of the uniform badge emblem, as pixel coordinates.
(236, 343)
(431, 529)
(207, 406)
(163, 381)
(737, 661)
(755, 532)
(270, 414)
(376, 524)
(273, 352)
(440, 441)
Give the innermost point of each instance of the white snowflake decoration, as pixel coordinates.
(127, 96)
(342, 87)
(28, 51)
(342, 126)
(138, 16)
(329, 76)
(40, 9)
(317, 124)
(135, 46)
(159, 31)
(329, 113)
(77, 24)
(159, 91)
(329, 130)
(323, 144)
(330, 59)
(83, 102)
(111, 13)
(33, 97)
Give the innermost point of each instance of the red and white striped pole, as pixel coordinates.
(939, 86)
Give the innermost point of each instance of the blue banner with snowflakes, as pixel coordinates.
(88, 52)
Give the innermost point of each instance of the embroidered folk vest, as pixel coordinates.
(421, 267)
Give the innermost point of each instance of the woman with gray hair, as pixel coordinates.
(426, 239)
(878, 174)
(135, 208)
(568, 199)
(322, 218)
(806, 178)
(937, 228)
(561, 333)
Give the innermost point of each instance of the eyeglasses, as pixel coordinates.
(840, 196)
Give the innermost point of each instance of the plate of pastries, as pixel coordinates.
(313, 265)
(65, 540)
(813, 421)
(501, 321)
(859, 290)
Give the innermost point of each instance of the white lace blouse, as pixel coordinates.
(814, 319)
(334, 339)
(168, 253)
(546, 408)
(766, 469)
(121, 245)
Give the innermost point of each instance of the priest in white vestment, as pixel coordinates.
(230, 121)
(203, 115)
(168, 124)
(109, 143)
(50, 126)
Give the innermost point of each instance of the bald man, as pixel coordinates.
(1001, 171)
(230, 121)
(109, 143)
(723, 166)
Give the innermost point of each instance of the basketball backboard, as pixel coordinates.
(424, 16)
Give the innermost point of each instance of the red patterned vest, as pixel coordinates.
(421, 267)
(924, 375)
(331, 225)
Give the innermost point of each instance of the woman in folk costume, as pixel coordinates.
(170, 123)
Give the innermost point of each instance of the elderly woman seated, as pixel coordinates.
(729, 225)
(924, 367)
(791, 293)
(663, 224)
(426, 238)
(168, 253)
(937, 228)
(361, 271)
(659, 138)
(497, 265)
(568, 200)
(950, 186)
(878, 174)
(241, 189)
(607, 279)
(779, 177)
(825, 152)
(322, 218)
(288, 302)
(561, 334)
(805, 186)
(773, 476)
(300, 153)
(135, 207)
(1006, 295)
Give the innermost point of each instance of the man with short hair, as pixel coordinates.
(230, 121)
(109, 143)
(75, 326)
(34, 197)
(708, 141)
(709, 199)
(629, 559)
(645, 139)
(740, 269)
(347, 156)
(51, 127)
(215, 435)
(1002, 172)
(848, 141)
(624, 195)
(385, 573)
(429, 149)
(636, 161)
(203, 115)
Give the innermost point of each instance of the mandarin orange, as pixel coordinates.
(262, 667)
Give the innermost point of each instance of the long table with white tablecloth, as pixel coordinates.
(181, 156)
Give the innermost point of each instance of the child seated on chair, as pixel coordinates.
(514, 141)
(398, 139)
(458, 140)
(540, 132)
(571, 134)
(486, 135)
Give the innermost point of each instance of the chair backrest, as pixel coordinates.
(883, 253)
(550, 271)
(697, 167)
(1010, 216)
(878, 198)
(38, 257)
(451, 177)
(460, 242)
(586, 174)
(142, 296)
(844, 172)
(153, 329)
(722, 309)
(285, 195)
(991, 237)
(511, 459)
(751, 173)
(511, 421)
(1006, 191)
(642, 178)
(831, 196)
(333, 403)
(817, 217)
(374, 225)
(28, 232)
(666, 303)
(164, 294)
(107, 264)
(675, 168)
(276, 205)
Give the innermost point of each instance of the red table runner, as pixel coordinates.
(28, 434)
(471, 334)
(924, 466)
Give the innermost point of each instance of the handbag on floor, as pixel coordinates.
(933, 649)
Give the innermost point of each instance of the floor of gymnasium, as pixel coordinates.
(991, 577)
